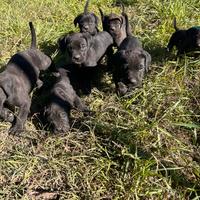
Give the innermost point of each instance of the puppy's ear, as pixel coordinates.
(147, 58)
(88, 38)
(96, 19)
(63, 42)
(77, 20)
(122, 21)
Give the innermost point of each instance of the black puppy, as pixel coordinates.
(18, 79)
(184, 40)
(88, 22)
(131, 63)
(62, 99)
(85, 52)
(116, 25)
(84, 49)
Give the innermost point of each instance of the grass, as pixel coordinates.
(145, 146)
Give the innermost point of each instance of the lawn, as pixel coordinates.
(142, 146)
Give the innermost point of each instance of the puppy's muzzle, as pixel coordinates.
(85, 28)
(76, 59)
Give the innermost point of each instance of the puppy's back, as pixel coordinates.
(130, 43)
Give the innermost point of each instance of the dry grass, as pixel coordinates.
(145, 146)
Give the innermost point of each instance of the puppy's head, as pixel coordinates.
(88, 23)
(131, 66)
(77, 46)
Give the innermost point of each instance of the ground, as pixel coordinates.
(143, 146)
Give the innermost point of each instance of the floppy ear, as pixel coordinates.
(96, 19)
(77, 19)
(63, 42)
(147, 58)
(88, 38)
(122, 21)
(128, 29)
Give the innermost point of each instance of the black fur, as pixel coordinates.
(84, 53)
(131, 63)
(18, 79)
(62, 99)
(184, 40)
(87, 21)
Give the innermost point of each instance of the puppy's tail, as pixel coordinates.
(102, 15)
(123, 9)
(174, 23)
(33, 36)
(86, 7)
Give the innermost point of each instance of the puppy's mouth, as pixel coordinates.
(77, 61)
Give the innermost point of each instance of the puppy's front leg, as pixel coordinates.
(18, 124)
(81, 106)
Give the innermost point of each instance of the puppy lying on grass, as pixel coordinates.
(131, 63)
(87, 21)
(18, 79)
(62, 99)
(184, 40)
(85, 52)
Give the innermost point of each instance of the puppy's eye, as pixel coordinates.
(140, 66)
(125, 66)
(83, 46)
(70, 48)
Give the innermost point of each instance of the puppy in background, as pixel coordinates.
(87, 21)
(63, 98)
(184, 40)
(116, 25)
(19, 78)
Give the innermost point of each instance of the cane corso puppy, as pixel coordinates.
(85, 52)
(184, 40)
(116, 25)
(87, 21)
(18, 79)
(62, 99)
(131, 63)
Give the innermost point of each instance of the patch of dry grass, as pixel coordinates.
(144, 146)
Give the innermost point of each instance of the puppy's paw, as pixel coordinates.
(39, 83)
(88, 112)
(16, 129)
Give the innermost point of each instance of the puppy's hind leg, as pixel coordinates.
(5, 113)
(18, 124)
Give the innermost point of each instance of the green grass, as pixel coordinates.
(145, 146)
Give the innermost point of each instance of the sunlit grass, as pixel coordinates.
(144, 146)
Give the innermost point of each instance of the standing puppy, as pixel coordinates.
(185, 40)
(88, 22)
(18, 79)
(62, 99)
(131, 63)
(85, 52)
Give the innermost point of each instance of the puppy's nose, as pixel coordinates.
(133, 82)
(76, 57)
(112, 28)
(86, 27)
